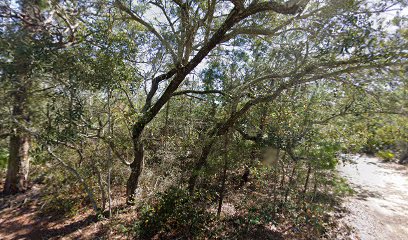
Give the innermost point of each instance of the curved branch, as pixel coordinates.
(167, 18)
(248, 30)
(77, 175)
(290, 7)
(155, 86)
(200, 92)
(112, 146)
(234, 17)
(149, 27)
(257, 138)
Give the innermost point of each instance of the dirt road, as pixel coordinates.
(379, 209)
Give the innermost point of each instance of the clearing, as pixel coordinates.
(379, 209)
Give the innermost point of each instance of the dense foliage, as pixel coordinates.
(217, 119)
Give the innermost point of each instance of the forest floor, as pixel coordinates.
(21, 218)
(379, 209)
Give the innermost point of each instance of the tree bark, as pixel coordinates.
(224, 176)
(18, 163)
(19, 145)
(404, 153)
(137, 165)
(290, 182)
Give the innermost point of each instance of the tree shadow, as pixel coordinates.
(235, 229)
(21, 218)
(364, 194)
(42, 232)
(260, 233)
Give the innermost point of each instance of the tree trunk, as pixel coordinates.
(306, 185)
(200, 164)
(404, 153)
(18, 164)
(136, 166)
(224, 176)
(309, 171)
(19, 161)
(290, 182)
(108, 177)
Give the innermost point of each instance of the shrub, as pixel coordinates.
(3, 158)
(61, 198)
(386, 155)
(175, 214)
(61, 206)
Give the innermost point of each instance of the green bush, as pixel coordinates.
(386, 155)
(62, 206)
(3, 158)
(61, 198)
(385, 137)
(175, 214)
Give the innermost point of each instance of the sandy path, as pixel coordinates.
(379, 209)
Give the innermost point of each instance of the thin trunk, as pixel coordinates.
(282, 182)
(302, 197)
(275, 177)
(108, 182)
(275, 191)
(78, 176)
(309, 171)
(292, 175)
(281, 185)
(101, 187)
(166, 123)
(224, 176)
(200, 164)
(108, 178)
(316, 182)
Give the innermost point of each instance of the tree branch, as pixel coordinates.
(182, 92)
(78, 176)
(257, 138)
(290, 7)
(234, 17)
(149, 27)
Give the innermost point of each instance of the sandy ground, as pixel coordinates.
(379, 209)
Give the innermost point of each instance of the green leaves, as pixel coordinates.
(176, 214)
(3, 158)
